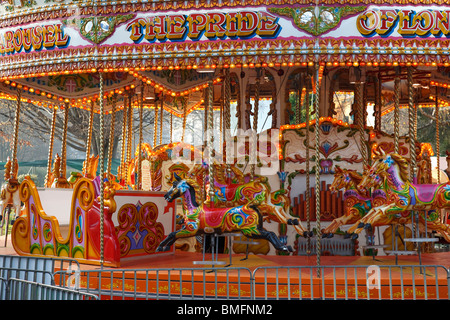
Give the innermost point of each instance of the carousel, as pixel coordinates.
(287, 129)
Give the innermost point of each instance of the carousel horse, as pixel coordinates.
(59, 180)
(403, 196)
(274, 206)
(52, 180)
(358, 202)
(202, 218)
(90, 166)
(10, 190)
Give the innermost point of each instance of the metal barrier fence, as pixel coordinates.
(34, 269)
(28, 277)
(388, 282)
(144, 284)
(18, 289)
(297, 282)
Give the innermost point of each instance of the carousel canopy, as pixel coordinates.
(54, 51)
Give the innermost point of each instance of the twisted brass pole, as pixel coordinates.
(50, 148)
(360, 119)
(308, 186)
(396, 113)
(255, 126)
(438, 147)
(184, 122)
(161, 120)
(89, 139)
(412, 136)
(155, 126)
(227, 120)
(317, 165)
(211, 141)
(64, 142)
(102, 169)
(16, 135)
(130, 129)
(139, 157)
(124, 140)
(111, 134)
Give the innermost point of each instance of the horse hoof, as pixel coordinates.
(162, 249)
(368, 226)
(330, 235)
(347, 235)
(324, 235)
(305, 234)
(354, 236)
(361, 225)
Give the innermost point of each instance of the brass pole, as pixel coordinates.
(16, 135)
(102, 169)
(124, 140)
(130, 128)
(155, 125)
(64, 142)
(317, 165)
(141, 109)
(161, 119)
(211, 141)
(50, 148)
(438, 148)
(396, 112)
(111, 134)
(89, 139)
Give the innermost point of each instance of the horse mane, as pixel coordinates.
(355, 176)
(196, 188)
(193, 195)
(402, 164)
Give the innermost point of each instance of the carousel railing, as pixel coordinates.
(18, 289)
(364, 282)
(165, 283)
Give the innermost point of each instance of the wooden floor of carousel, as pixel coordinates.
(339, 278)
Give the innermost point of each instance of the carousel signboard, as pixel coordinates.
(213, 25)
(218, 34)
(34, 37)
(407, 22)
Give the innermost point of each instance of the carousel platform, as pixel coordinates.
(187, 260)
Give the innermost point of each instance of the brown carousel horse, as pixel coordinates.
(357, 202)
(275, 206)
(403, 196)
